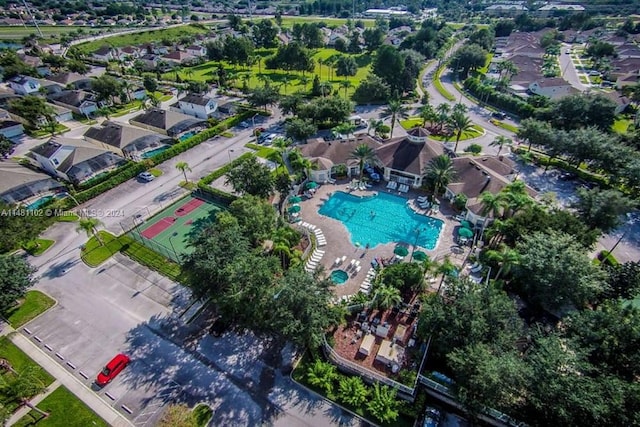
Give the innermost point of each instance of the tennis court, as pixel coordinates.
(168, 231)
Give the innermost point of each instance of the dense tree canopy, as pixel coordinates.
(291, 57)
(602, 209)
(252, 177)
(16, 275)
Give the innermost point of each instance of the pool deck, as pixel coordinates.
(339, 241)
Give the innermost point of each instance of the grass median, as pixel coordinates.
(38, 246)
(64, 409)
(32, 305)
(96, 252)
(438, 85)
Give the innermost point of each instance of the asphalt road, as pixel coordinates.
(568, 69)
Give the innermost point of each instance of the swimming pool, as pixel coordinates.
(187, 135)
(339, 276)
(155, 151)
(40, 202)
(382, 218)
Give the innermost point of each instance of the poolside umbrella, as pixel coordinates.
(401, 251)
(312, 184)
(465, 232)
(420, 256)
(294, 209)
(466, 224)
(295, 199)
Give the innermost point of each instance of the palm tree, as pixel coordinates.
(387, 297)
(383, 404)
(492, 204)
(27, 385)
(459, 108)
(500, 141)
(282, 144)
(304, 81)
(345, 84)
(153, 101)
(345, 128)
(516, 197)
(363, 153)
(395, 109)
(460, 124)
(184, 167)
(90, 227)
(325, 88)
(374, 125)
(285, 83)
(353, 391)
(442, 115)
(439, 172)
(505, 257)
(302, 164)
(427, 114)
(446, 269)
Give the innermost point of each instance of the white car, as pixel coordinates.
(146, 176)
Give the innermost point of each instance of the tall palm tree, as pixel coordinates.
(459, 108)
(363, 154)
(387, 297)
(492, 204)
(442, 115)
(184, 167)
(460, 124)
(325, 88)
(345, 84)
(505, 257)
(302, 164)
(500, 141)
(396, 110)
(304, 81)
(90, 227)
(516, 197)
(27, 385)
(282, 145)
(439, 172)
(322, 374)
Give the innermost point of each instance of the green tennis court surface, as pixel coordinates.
(168, 231)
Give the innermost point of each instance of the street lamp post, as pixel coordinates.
(229, 151)
(175, 233)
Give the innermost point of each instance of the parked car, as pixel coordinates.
(432, 417)
(567, 176)
(499, 115)
(146, 176)
(112, 369)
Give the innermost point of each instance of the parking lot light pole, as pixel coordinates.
(175, 233)
(229, 151)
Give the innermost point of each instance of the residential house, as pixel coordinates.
(476, 175)
(168, 123)
(128, 53)
(630, 79)
(505, 9)
(24, 85)
(553, 88)
(149, 61)
(78, 101)
(73, 160)
(21, 185)
(622, 102)
(124, 140)
(558, 9)
(626, 51)
(104, 54)
(32, 61)
(66, 79)
(61, 114)
(179, 57)
(326, 157)
(196, 51)
(11, 128)
(199, 106)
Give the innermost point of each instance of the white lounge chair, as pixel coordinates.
(304, 224)
(311, 264)
(422, 199)
(319, 252)
(358, 268)
(316, 258)
(337, 262)
(322, 243)
(343, 259)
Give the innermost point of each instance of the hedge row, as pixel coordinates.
(503, 101)
(206, 180)
(99, 180)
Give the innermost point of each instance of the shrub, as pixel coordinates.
(605, 257)
(474, 149)
(460, 201)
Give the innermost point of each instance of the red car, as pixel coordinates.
(113, 368)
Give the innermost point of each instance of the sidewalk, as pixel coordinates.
(37, 399)
(65, 378)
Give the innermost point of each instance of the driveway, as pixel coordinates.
(568, 68)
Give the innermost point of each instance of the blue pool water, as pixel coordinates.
(382, 218)
(339, 276)
(187, 135)
(41, 201)
(150, 154)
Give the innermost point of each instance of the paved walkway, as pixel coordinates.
(35, 401)
(81, 391)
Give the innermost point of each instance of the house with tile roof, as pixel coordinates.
(24, 85)
(195, 105)
(124, 140)
(78, 101)
(168, 123)
(11, 128)
(73, 160)
(553, 88)
(104, 54)
(21, 185)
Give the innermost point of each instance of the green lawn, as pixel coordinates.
(155, 172)
(504, 125)
(33, 304)
(411, 122)
(621, 125)
(94, 253)
(43, 133)
(202, 414)
(65, 410)
(50, 32)
(38, 246)
(206, 71)
(68, 217)
(288, 21)
(149, 258)
(438, 85)
(144, 37)
(20, 361)
(476, 132)
(261, 151)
